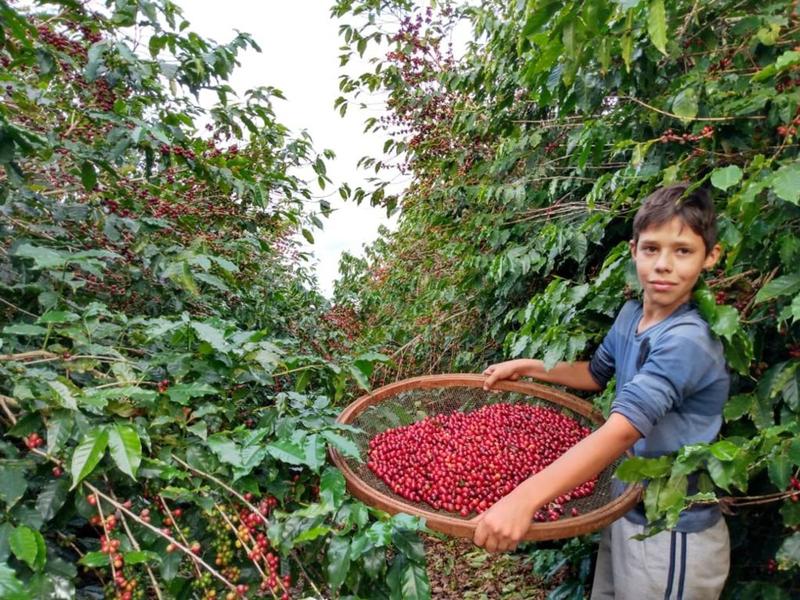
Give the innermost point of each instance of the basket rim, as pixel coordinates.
(461, 527)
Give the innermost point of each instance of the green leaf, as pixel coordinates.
(769, 35)
(43, 258)
(787, 285)
(314, 448)
(52, 497)
(88, 176)
(359, 376)
(637, 468)
(786, 183)
(183, 392)
(88, 453)
(788, 555)
(56, 316)
(342, 444)
(181, 275)
(626, 45)
(651, 493)
(721, 472)
(374, 561)
(414, 584)
(332, 488)
(13, 484)
(788, 59)
(25, 546)
(288, 452)
(212, 335)
(125, 448)
(780, 469)
(791, 392)
(136, 557)
(725, 322)
(94, 559)
(11, 588)
(225, 448)
(51, 586)
(738, 406)
(685, 104)
(409, 543)
(65, 394)
(724, 450)
(24, 329)
(726, 177)
(312, 534)
(657, 25)
(338, 556)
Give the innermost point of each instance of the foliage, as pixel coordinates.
(168, 374)
(526, 159)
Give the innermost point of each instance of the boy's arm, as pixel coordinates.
(573, 374)
(502, 526)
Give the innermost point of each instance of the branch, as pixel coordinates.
(178, 529)
(247, 549)
(674, 116)
(160, 533)
(419, 336)
(35, 357)
(4, 402)
(15, 307)
(108, 539)
(253, 508)
(136, 546)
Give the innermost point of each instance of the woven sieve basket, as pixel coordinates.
(410, 400)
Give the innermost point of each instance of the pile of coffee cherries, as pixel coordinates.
(465, 462)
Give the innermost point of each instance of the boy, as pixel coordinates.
(671, 385)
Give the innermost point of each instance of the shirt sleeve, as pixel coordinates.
(672, 371)
(603, 364)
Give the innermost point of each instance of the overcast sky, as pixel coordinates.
(300, 56)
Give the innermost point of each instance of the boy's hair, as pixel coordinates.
(694, 208)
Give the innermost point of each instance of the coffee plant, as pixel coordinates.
(169, 375)
(527, 154)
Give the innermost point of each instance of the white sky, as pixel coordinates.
(300, 56)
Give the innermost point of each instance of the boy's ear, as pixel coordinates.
(632, 246)
(713, 256)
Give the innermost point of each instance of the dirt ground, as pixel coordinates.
(458, 570)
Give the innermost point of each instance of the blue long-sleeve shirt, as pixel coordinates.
(672, 383)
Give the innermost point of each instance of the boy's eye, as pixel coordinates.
(684, 251)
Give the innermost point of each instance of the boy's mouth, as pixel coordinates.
(662, 286)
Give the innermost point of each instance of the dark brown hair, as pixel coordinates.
(694, 208)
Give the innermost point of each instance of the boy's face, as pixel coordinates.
(669, 258)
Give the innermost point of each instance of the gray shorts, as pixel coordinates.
(669, 565)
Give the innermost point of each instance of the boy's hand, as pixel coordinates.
(502, 526)
(500, 371)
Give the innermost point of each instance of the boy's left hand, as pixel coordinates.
(503, 525)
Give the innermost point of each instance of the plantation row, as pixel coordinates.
(170, 378)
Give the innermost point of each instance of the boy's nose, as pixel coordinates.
(664, 262)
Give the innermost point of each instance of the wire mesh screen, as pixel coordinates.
(409, 406)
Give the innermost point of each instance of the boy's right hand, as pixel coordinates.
(500, 371)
